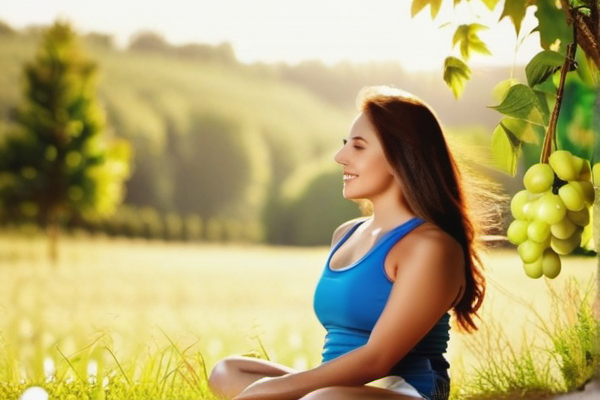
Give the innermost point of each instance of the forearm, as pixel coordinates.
(352, 369)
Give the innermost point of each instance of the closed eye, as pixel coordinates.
(356, 140)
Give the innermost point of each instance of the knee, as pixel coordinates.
(221, 375)
(328, 393)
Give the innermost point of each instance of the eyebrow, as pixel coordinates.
(355, 138)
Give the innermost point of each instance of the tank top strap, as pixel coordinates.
(346, 235)
(392, 237)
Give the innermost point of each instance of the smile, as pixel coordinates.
(348, 177)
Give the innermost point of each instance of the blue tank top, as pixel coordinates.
(349, 301)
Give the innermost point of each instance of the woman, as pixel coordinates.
(391, 278)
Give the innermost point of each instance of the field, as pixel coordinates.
(140, 310)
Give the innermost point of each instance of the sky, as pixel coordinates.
(291, 30)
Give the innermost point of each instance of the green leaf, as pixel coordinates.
(505, 150)
(456, 75)
(586, 70)
(515, 10)
(547, 86)
(501, 89)
(542, 66)
(491, 4)
(418, 5)
(466, 37)
(521, 130)
(479, 47)
(521, 102)
(435, 7)
(542, 98)
(552, 25)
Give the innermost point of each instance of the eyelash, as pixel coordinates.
(355, 146)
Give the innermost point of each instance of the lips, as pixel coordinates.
(348, 176)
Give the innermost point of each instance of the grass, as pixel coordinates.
(558, 351)
(146, 320)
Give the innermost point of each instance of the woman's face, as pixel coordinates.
(367, 174)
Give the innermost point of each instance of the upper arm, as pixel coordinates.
(430, 277)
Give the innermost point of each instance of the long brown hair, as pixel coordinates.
(433, 185)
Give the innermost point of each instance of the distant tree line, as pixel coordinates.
(231, 151)
(219, 153)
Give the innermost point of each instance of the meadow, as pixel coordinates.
(147, 319)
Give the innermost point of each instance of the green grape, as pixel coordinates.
(538, 231)
(551, 264)
(571, 196)
(581, 217)
(596, 174)
(586, 189)
(563, 229)
(517, 232)
(534, 270)
(585, 173)
(529, 251)
(562, 163)
(517, 203)
(566, 246)
(546, 243)
(551, 208)
(577, 164)
(539, 178)
(531, 209)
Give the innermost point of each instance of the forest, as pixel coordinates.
(227, 151)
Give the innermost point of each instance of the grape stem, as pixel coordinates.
(550, 136)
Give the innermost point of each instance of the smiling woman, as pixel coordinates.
(392, 278)
(369, 174)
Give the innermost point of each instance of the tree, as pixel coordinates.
(58, 163)
(568, 67)
(531, 111)
(150, 42)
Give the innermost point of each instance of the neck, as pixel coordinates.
(390, 210)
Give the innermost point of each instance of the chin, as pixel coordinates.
(351, 196)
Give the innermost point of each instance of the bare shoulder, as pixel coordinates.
(430, 246)
(343, 228)
(432, 236)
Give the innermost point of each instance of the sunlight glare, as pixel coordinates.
(34, 393)
(292, 31)
(49, 368)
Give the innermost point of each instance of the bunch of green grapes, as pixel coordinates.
(551, 212)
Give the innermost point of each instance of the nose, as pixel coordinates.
(340, 157)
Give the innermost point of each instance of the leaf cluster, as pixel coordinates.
(526, 108)
(553, 27)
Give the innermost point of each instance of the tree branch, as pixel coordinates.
(551, 132)
(587, 28)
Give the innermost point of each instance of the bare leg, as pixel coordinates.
(230, 376)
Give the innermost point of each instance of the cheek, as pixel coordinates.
(383, 168)
(382, 174)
